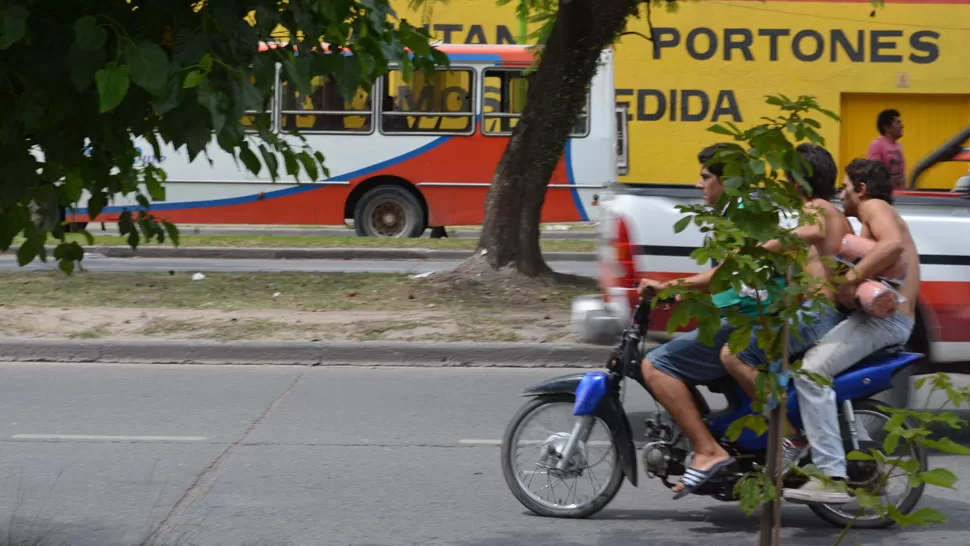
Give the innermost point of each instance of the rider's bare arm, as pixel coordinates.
(812, 233)
(700, 281)
(880, 221)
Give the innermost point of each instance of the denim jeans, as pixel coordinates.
(842, 347)
(810, 326)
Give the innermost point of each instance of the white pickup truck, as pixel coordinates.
(637, 240)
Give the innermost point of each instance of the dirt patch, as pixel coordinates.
(252, 324)
(282, 306)
(475, 278)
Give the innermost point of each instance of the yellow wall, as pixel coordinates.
(919, 49)
(927, 117)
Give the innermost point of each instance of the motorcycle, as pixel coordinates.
(596, 398)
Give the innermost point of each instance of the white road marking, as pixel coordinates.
(474, 442)
(479, 442)
(109, 438)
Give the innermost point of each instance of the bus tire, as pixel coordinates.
(389, 211)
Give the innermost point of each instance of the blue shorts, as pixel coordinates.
(690, 360)
(811, 326)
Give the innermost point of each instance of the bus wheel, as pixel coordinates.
(389, 211)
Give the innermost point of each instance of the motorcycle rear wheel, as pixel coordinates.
(518, 488)
(834, 515)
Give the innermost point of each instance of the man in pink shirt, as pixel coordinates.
(887, 149)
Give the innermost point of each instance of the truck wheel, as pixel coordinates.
(389, 211)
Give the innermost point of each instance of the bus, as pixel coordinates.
(421, 156)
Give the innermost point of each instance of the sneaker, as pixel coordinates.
(792, 451)
(815, 491)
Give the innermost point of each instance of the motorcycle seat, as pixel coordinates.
(727, 383)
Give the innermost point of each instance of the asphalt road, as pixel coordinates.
(108, 455)
(95, 264)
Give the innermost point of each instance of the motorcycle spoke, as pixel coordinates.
(589, 473)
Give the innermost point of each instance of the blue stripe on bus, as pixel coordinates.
(252, 198)
(572, 182)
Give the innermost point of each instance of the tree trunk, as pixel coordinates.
(510, 233)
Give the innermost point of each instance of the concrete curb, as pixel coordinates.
(568, 235)
(252, 253)
(466, 354)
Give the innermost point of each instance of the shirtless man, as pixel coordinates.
(825, 238)
(866, 194)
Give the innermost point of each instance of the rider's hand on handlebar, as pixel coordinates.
(649, 287)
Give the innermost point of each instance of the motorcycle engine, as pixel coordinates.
(655, 457)
(657, 453)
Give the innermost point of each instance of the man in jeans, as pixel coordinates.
(825, 239)
(669, 368)
(866, 194)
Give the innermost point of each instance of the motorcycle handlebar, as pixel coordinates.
(641, 316)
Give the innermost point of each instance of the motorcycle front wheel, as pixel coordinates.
(541, 486)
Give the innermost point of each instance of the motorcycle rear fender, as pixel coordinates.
(609, 410)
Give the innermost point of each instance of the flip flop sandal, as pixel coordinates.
(694, 478)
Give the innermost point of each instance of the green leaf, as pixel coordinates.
(754, 422)
(96, 204)
(891, 442)
(173, 232)
(926, 515)
(81, 65)
(168, 98)
(271, 161)
(30, 248)
(127, 227)
(197, 138)
(250, 160)
(858, 456)
(939, 476)
(112, 86)
(214, 101)
(87, 33)
(292, 167)
(947, 445)
(193, 79)
(866, 500)
(73, 186)
(720, 129)
(206, 63)
(66, 254)
(149, 65)
(740, 338)
(682, 224)
(14, 25)
(309, 166)
(67, 266)
(895, 422)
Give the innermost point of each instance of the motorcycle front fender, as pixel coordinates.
(564, 384)
(609, 410)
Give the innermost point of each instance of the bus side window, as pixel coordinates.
(503, 100)
(325, 110)
(443, 103)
